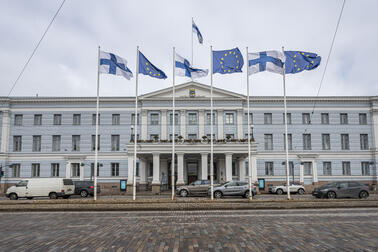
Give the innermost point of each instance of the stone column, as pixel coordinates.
(144, 125)
(143, 174)
(180, 169)
(68, 169)
(220, 124)
(254, 169)
(163, 125)
(183, 123)
(314, 172)
(5, 130)
(82, 172)
(240, 124)
(204, 165)
(228, 166)
(201, 123)
(156, 173)
(130, 164)
(241, 169)
(301, 178)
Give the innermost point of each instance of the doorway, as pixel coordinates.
(192, 168)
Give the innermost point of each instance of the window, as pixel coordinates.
(115, 169)
(57, 119)
(344, 141)
(362, 118)
(56, 143)
(288, 118)
(192, 136)
(35, 172)
(94, 119)
(343, 118)
(54, 170)
(138, 122)
(268, 141)
(250, 118)
(116, 119)
(115, 142)
(325, 118)
(75, 170)
(208, 119)
(327, 169)
(76, 119)
(307, 168)
(346, 168)
(229, 118)
(269, 171)
(364, 142)
(326, 142)
(16, 170)
(94, 143)
(365, 168)
(98, 169)
(235, 170)
(154, 137)
(289, 140)
(76, 143)
(192, 118)
(176, 119)
(37, 119)
(154, 119)
(18, 120)
(150, 169)
(306, 118)
(230, 136)
(132, 137)
(291, 168)
(17, 143)
(36, 143)
(306, 141)
(267, 118)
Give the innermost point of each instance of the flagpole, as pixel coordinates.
(96, 137)
(135, 123)
(211, 128)
(173, 127)
(249, 134)
(192, 42)
(286, 137)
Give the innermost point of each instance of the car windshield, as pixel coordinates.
(22, 183)
(329, 185)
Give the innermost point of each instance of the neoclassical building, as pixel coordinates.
(54, 137)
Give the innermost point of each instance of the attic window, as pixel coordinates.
(192, 92)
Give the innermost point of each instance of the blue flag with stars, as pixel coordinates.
(297, 61)
(147, 68)
(227, 61)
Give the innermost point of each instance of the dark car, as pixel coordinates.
(85, 188)
(342, 189)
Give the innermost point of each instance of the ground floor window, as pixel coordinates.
(115, 169)
(269, 171)
(365, 168)
(55, 170)
(327, 169)
(36, 168)
(75, 170)
(307, 168)
(346, 168)
(16, 170)
(235, 170)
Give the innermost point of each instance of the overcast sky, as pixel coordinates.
(66, 62)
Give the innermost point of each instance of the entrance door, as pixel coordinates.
(192, 168)
(170, 173)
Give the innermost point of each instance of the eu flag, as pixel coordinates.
(227, 61)
(147, 68)
(297, 61)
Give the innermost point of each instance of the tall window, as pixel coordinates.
(235, 170)
(18, 120)
(75, 170)
(346, 168)
(55, 170)
(343, 118)
(267, 118)
(362, 118)
(37, 119)
(16, 170)
(76, 119)
(176, 119)
(326, 142)
(35, 172)
(327, 169)
(306, 118)
(115, 142)
(36, 143)
(208, 118)
(364, 142)
(306, 141)
(115, 169)
(288, 118)
(154, 119)
(365, 168)
(56, 143)
(229, 118)
(307, 168)
(57, 119)
(116, 119)
(289, 140)
(325, 118)
(345, 141)
(94, 143)
(291, 168)
(94, 119)
(76, 143)
(269, 171)
(268, 141)
(192, 118)
(92, 170)
(17, 143)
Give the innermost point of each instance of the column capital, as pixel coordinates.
(179, 153)
(239, 110)
(228, 153)
(155, 153)
(164, 110)
(204, 153)
(219, 110)
(182, 110)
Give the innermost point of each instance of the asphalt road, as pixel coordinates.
(255, 230)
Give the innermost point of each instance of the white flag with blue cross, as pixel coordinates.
(183, 68)
(113, 64)
(272, 61)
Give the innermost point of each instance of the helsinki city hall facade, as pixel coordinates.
(55, 137)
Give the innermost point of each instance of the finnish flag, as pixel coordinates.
(197, 31)
(113, 64)
(183, 68)
(272, 61)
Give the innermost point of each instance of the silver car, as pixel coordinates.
(196, 188)
(294, 188)
(232, 188)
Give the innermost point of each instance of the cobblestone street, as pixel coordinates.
(256, 230)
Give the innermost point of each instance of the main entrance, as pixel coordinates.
(192, 168)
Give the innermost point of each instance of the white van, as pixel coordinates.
(41, 187)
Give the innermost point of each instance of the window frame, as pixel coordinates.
(269, 168)
(324, 118)
(191, 117)
(268, 118)
(36, 144)
(306, 118)
(268, 145)
(18, 119)
(55, 145)
(362, 118)
(57, 119)
(115, 142)
(326, 136)
(17, 145)
(307, 143)
(37, 120)
(229, 118)
(345, 143)
(154, 119)
(76, 119)
(35, 170)
(55, 170)
(76, 142)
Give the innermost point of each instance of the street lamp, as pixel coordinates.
(132, 133)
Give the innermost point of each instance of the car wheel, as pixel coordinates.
(53, 195)
(84, 194)
(363, 194)
(279, 191)
(29, 198)
(13, 196)
(184, 193)
(331, 195)
(218, 194)
(66, 196)
(301, 191)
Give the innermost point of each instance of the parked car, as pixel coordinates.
(196, 188)
(233, 188)
(41, 187)
(85, 188)
(294, 188)
(342, 189)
